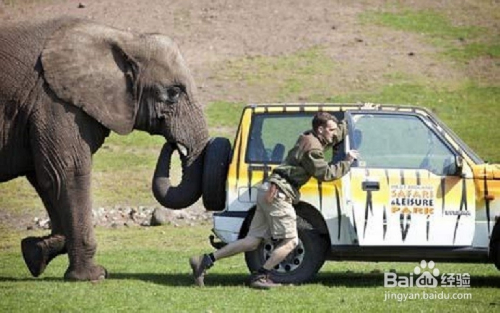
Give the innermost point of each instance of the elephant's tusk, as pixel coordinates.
(182, 149)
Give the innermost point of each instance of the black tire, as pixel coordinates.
(215, 167)
(496, 251)
(495, 245)
(302, 264)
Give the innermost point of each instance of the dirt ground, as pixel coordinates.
(211, 32)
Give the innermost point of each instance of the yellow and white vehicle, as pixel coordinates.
(417, 191)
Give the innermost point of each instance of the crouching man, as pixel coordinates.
(275, 215)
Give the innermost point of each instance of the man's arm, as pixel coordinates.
(342, 132)
(315, 164)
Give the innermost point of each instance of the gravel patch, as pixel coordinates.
(142, 216)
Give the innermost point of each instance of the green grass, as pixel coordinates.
(304, 72)
(428, 23)
(461, 43)
(150, 273)
(474, 50)
(223, 118)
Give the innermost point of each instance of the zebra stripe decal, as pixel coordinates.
(487, 202)
(442, 187)
(368, 207)
(427, 227)
(384, 220)
(354, 221)
(320, 195)
(339, 213)
(463, 207)
(404, 222)
(238, 164)
(249, 185)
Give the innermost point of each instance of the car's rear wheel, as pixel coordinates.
(302, 264)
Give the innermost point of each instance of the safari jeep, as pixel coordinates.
(416, 192)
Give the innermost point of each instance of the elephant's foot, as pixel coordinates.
(39, 251)
(34, 255)
(92, 273)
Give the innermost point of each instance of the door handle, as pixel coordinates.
(370, 185)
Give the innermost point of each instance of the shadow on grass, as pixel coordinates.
(330, 279)
(335, 279)
(183, 279)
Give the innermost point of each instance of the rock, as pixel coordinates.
(43, 223)
(159, 217)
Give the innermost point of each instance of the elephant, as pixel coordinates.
(65, 84)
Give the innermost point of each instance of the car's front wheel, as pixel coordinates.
(301, 265)
(495, 245)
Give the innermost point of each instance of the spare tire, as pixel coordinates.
(215, 167)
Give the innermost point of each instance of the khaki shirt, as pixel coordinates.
(305, 160)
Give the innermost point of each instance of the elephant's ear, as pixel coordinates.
(86, 65)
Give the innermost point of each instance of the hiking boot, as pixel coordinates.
(262, 281)
(199, 265)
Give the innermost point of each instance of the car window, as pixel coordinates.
(400, 141)
(273, 135)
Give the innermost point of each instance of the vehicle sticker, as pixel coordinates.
(412, 199)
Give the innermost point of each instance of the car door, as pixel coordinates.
(406, 189)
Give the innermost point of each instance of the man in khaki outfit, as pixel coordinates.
(275, 216)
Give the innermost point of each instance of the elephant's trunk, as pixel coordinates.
(189, 189)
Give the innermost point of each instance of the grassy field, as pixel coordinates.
(150, 273)
(149, 270)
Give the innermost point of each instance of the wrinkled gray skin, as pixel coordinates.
(64, 85)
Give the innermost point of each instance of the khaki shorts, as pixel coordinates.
(275, 220)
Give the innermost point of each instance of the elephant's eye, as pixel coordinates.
(161, 94)
(173, 94)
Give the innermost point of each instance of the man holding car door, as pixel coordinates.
(275, 215)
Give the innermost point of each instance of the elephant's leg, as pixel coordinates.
(39, 251)
(62, 140)
(80, 241)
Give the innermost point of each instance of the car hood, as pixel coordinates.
(487, 171)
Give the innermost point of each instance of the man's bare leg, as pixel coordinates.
(248, 243)
(281, 252)
(199, 264)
